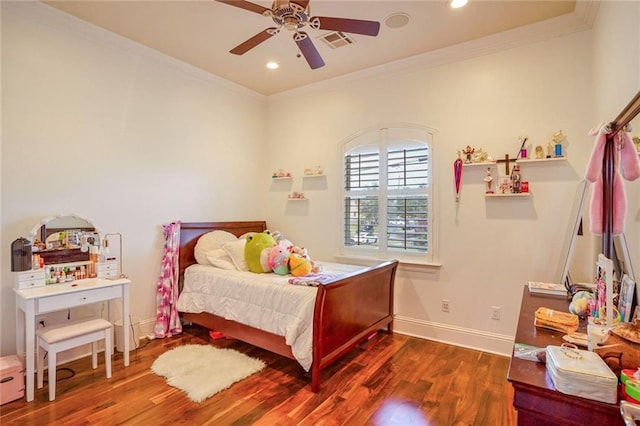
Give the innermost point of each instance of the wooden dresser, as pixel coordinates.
(535, 397)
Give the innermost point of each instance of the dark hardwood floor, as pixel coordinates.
(399, 380)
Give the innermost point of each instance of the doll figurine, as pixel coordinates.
(488, 179)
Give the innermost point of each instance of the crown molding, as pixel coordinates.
(53, 18)
(580, 20)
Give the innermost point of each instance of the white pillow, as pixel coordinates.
(235, 250)
(211, 241)
(220, 259)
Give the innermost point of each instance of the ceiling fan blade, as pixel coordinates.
(302, 3)
(243, 48)
(308, 50)
(354, 26)
(246, 5)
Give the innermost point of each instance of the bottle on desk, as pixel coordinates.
(93, 254)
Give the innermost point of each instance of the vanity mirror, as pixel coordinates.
(64, 239)
(66, 248)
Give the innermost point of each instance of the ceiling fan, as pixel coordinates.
(294, 15)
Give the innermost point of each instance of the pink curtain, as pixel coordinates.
(167, 319)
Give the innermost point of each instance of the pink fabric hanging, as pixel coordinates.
(167, 318)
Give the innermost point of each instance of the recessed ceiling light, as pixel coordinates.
(457, 3)
(272, 65)
(396, 20)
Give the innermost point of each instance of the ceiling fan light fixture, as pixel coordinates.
(291, 23)
(290, 15)
(456, 4)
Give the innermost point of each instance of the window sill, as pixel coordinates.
(407, 264)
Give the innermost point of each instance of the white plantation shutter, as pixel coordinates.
(387, 192)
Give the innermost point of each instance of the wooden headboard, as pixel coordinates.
(191, 231)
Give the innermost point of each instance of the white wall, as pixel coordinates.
(114, 132)
(92, 124)
(616, 64)
(489, 248)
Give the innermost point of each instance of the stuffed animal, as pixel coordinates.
(279, 259)
(299, 250)
(626, 165)
(580, 303)
(253, 251)
(302, 252)
(281, 239)
(299, 265)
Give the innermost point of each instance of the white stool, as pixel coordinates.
(70, 335)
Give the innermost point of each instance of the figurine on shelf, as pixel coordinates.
(281, 174)
(549, 149)
(636, 142)
(317, 171)
(468, 152)
(504, 185)
(489, 181)
(539, 152)
(557, 139)
(515, 179)
(480, 156)
(296, 196)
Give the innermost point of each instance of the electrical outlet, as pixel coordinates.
(445, 305)
(495, 313)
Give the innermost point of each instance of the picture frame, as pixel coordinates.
(625, 300)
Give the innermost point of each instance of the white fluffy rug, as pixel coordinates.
(201, 370)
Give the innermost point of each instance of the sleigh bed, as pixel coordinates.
(347, 310)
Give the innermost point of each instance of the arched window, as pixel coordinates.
(388, 193)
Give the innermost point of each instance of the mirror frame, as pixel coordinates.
(36, 232)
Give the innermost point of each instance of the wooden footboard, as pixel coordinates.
(347, 311)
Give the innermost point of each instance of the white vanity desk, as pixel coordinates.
(57, 297)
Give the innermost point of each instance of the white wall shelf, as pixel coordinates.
(520, 194)
(313, 176)
(483, 163)
(282, 178)
(540, 160)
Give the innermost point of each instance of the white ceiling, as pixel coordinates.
(201, 33)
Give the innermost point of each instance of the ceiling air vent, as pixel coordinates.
(337, 39)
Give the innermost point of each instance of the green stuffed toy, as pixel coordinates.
(253, 251)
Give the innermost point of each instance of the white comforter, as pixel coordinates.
(264, 301)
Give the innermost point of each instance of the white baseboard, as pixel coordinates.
(147, 327)
(494, 343)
